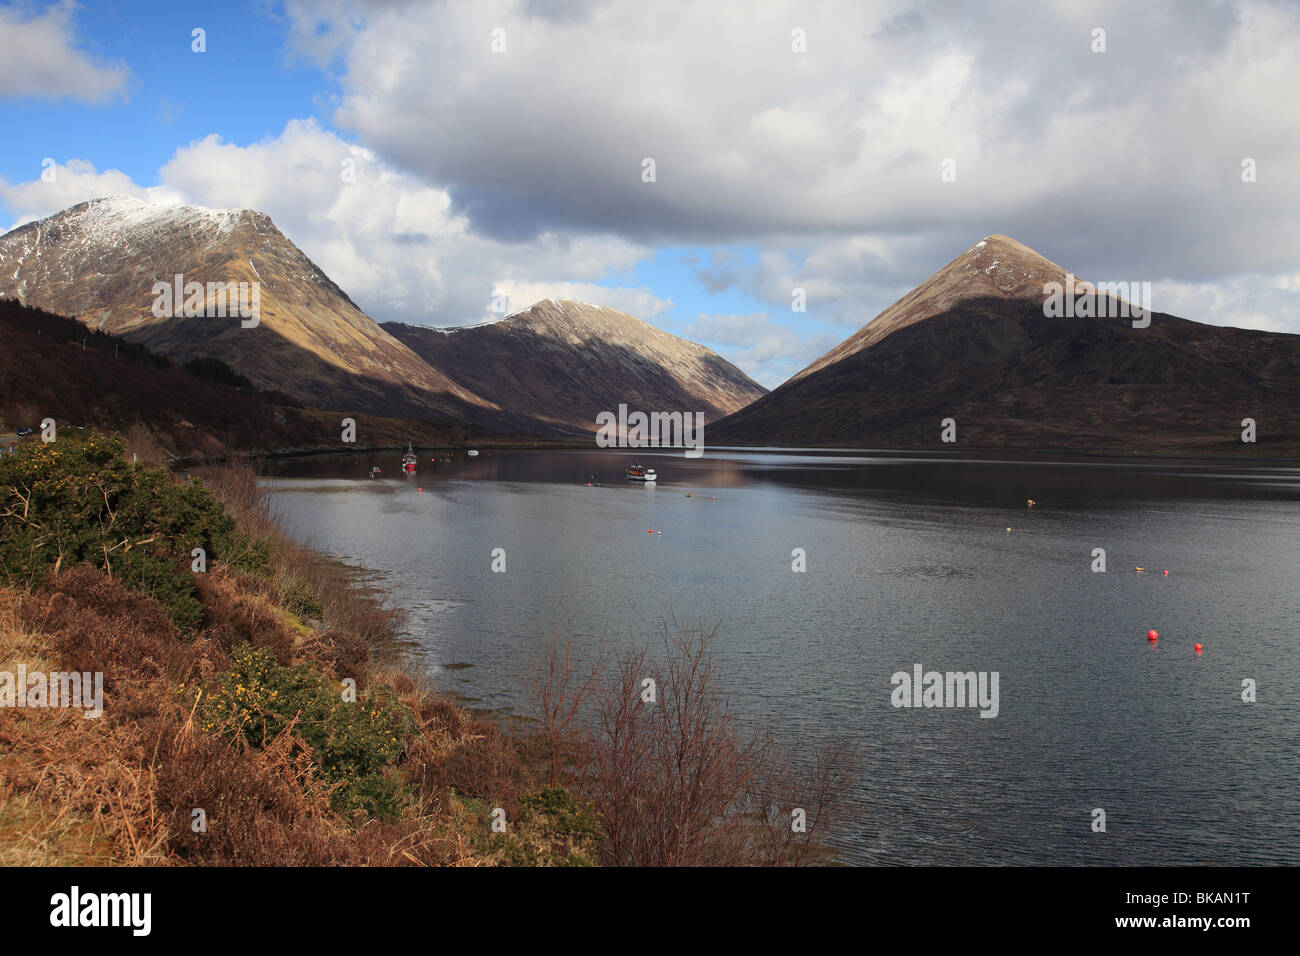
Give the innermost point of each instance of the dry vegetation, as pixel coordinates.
(243, 717)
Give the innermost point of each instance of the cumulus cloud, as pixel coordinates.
(1267, 302)
(41, 59)
(65, 184)
(767, 351)
(1082, 149)
(391, 241)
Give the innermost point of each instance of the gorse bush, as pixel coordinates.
(249, 554)
(356, 745)
(78, 501)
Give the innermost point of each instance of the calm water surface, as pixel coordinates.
(908, 561)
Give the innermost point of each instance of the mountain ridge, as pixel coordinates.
(974, 343)
(99, 261)
(576, 359)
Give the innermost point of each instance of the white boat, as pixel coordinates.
(473, 452)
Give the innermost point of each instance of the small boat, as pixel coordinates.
(473, 453)
(640, 473)
(409, 459)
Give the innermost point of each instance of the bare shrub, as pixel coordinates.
(559, 692)
(680, 781)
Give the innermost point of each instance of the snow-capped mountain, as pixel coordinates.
(102, 262)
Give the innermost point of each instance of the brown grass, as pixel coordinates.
(677, 783)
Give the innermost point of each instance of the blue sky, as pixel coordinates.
(781, 164)
(243, 87)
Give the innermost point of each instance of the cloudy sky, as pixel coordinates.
(427, 155)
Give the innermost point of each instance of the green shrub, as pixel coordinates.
(249, 554)
(355, 745)
(552, 829)
(78, 500)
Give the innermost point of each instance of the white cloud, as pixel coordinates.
(1267, 302)
(1087, 151)
(390, 241)
(73, 182)
(767, 351)
(41, 59)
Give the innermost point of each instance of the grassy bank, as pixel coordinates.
(246, 719)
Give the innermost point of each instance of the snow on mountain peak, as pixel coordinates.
(130, 212)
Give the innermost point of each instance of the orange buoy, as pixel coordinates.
(1152, 636)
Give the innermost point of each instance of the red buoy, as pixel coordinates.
(1152, 636)
(1198, 648)
(1166, 574)
(649, 530)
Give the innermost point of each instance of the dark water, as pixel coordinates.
(908, 561)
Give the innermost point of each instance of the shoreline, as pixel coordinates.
(976, 455)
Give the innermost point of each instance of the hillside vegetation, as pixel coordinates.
(54, 367)
(248, 717)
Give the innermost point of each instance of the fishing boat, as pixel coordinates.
(409, 459)
(641, 473)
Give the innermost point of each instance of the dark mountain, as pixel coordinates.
(972, 343)
(52, 366)
(563, 361)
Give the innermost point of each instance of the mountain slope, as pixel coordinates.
(996, 266)
(1013, 378)
(565, 361)
(99, 260)
(52, 367)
